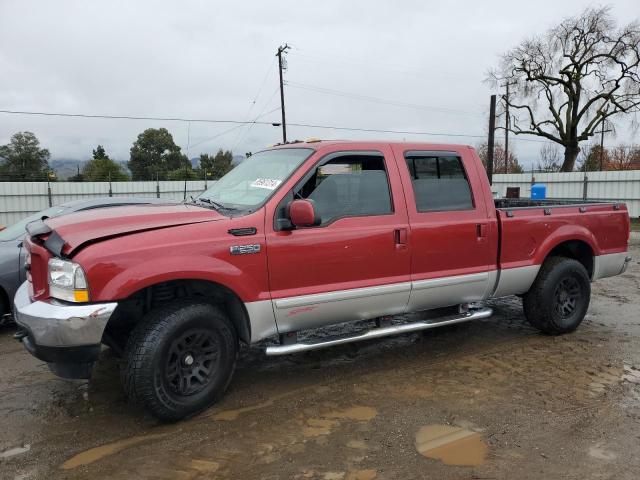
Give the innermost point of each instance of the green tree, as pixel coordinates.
(99, 153)
(155, 152)
(23, 159)
(217, 165)
(101, 168)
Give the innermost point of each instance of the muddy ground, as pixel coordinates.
(490, 399)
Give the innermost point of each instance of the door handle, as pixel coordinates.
(481, 231)
(400, 236)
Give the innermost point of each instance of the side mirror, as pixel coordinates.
(302, 213)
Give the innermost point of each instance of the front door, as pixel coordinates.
(450, 229)
(355, 264)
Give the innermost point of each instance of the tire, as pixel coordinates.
(180, 359)
(5, 310)
(559, 297)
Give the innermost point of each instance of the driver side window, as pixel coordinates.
(349, 186)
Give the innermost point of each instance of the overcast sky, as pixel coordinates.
(206, 59)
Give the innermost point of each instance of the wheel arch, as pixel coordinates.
(131, 309)
(576, 249)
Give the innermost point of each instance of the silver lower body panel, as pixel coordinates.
(378, 333)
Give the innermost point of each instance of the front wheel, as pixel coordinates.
(559, 298)
(180, 359)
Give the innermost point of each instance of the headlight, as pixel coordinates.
(67, 281)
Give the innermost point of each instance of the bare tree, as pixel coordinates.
(624, 157)
(566, 83)
(549, 158)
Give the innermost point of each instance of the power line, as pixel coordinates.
(130, 117)
(248, 129)
(232, 129)
(256, 122)
(369, 98)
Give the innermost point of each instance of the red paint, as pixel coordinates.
(302, 213)
(125, 249)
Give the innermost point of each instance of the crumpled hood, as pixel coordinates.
(79, 228)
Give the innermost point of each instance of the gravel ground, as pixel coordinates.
(486, 399)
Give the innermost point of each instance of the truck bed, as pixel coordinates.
(530, 229)
(513, 203)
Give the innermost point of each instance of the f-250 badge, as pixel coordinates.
(244, 249)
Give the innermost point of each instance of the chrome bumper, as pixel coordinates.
(57, 324)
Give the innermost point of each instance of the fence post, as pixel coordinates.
(205, 178)
(585, 184)
(157, 185)
(49, 191)
(110, 191)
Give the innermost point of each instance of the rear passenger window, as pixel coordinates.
(349, 186)
(439, 182)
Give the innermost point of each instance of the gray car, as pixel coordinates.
(12, 272)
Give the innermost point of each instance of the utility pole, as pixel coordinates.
(602, 132)
(281, 50)
(507, 124)
(506, 131)
(490, 142)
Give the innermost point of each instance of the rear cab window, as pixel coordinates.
(439, 181)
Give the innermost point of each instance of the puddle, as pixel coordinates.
(318, 426)
(315, 427)
(228, 415)
(451, 445)
(12, 452)
(97, 453)
(361, 475)
(204, 466)
(354, 413)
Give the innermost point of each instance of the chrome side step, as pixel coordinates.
(473, 314)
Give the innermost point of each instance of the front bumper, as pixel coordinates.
(62, 334)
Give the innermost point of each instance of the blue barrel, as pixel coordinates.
(538, 191)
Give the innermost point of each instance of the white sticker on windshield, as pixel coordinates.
(268, 183)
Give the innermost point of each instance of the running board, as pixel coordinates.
(475, 314)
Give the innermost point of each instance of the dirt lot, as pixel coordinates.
(491, 399)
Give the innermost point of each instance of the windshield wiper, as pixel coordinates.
(216, 205)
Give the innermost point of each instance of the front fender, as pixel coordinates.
(112, 282)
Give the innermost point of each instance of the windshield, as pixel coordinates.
(252, 182)
(17, 230)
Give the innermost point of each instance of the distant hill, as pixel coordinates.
(66, 167)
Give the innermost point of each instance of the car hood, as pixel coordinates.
(76, 229)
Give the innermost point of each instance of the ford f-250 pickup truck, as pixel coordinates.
(294, 238)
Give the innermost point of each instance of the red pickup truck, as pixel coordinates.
(298, 237)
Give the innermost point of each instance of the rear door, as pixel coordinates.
(450, 229)
(356, 263)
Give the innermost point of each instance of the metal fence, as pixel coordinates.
(19, 199)
(621, 186)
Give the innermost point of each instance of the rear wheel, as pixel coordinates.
(180, 359)
(559, 298)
